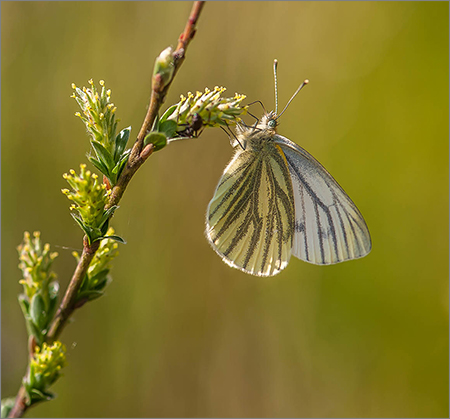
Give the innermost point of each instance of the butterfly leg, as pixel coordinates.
(234, 135)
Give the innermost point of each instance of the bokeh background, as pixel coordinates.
(179, 333)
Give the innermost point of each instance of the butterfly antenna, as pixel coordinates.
(292, 98)
(275, 65)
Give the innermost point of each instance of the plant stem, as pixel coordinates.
(159, 91)
(138, 156)
(68, 303)
(21, 404)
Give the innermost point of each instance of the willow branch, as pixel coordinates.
(138, 156)
(68, 303)
(21, 404)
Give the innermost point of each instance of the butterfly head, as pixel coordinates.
(269, 121)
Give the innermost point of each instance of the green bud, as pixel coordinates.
(164, 66)
(158, 139)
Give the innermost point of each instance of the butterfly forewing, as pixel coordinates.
(250, 220)
(328, 226)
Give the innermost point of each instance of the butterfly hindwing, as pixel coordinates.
(250, 219)
(328, 226)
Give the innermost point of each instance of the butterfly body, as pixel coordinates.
(275, 200)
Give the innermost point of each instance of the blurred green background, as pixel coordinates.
(179, 332)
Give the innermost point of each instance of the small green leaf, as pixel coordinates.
(84, 283)
(169, 128)
(80, 223)
(99, 165)
(158, 139)
(53, 291)
(38, 311)
(168, 112)
(116, 238)
(155, 124)
(121, 163)
(103, 230)
(103, 154)
(89, 295)
(87, 230)
(107, 215)
(93, 287)
(24, 304)
(121, 142)
(40, 396)
(110, 211)
(32, 329)
(28, 385)
(99, 281)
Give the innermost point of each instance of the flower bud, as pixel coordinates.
(164, 66)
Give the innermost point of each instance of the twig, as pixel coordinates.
(68, 303)
(138, 156)
(21, 404)
(159, 91)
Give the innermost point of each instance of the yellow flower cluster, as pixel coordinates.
(89, 195)
(46, 364)
(35, 262)
(98, 112)
(209, 107)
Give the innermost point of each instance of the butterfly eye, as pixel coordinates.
(272, 123)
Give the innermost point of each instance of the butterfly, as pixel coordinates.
(275, 200)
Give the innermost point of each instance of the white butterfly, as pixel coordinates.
(275, 200)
